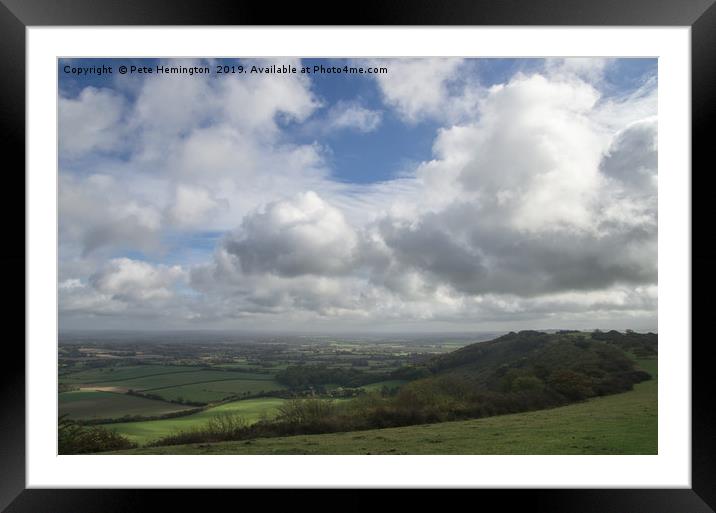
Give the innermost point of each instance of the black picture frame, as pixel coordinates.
(17, 15)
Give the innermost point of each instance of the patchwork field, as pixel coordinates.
(209, 391)
(145, 431)
(115, 374)
(88, 405)
(177, 383)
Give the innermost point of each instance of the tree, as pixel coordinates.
(527, 383)
(572, 385)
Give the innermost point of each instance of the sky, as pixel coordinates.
(444, 195)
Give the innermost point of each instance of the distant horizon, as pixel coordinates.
(324, 334)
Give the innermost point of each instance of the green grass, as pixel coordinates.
(146, 431)
(170, 379)
(240, 366)
(650, 365)
(187, 378)
(175, 382)
(376, 387)
(114, 374)
(87, 405)
(617, 424)
(217, 390)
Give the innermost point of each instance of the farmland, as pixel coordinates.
(90, 404)
(149, 389)
(190, 385)
(522, 393)
(113, 374)
(619, 424)
(211, 390)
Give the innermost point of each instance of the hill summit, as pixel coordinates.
(575, 365)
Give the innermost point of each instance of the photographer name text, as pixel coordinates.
(273, 69)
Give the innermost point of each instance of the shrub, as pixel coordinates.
(410, 372)
(305, 376)
(527, 383)
(73, 438)
(572, 385)
(219, 428)
(304, 411)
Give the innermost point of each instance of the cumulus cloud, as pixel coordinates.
(632, 156)
(83, 300)
(533, 148)
(130, 280)
(417, 88)
(302, 235)
(522, 201)
(123, 288)
(90, 122)
(192, 205)
(456, 248)
(98, 212)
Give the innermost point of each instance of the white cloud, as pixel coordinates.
(417, 88)
(534, 153)
(130, 280)
(632, 156)
(90, 122)
(616, 112)
(85, 301)
(98, 212)
(192, 205)
(589, 69)
(253, 103)
(302, 235)
(350, 115)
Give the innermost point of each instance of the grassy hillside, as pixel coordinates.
(145, 431)
(624, 423)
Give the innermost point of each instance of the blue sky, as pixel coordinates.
(395, 146)
(338, 198)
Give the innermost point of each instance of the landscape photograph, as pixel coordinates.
(357, 256)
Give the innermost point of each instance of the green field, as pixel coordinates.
(142, 432)
(115, 374)
(239, 366)
(154, 380)
(216, 390)
(618, 424)
(376, 387)
(172, 383)
(87, 405)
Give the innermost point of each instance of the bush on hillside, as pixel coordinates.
(73, 438)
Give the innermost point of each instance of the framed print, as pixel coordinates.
(420, 248)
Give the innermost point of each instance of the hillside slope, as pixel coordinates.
(573, 364)
(623, 423)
